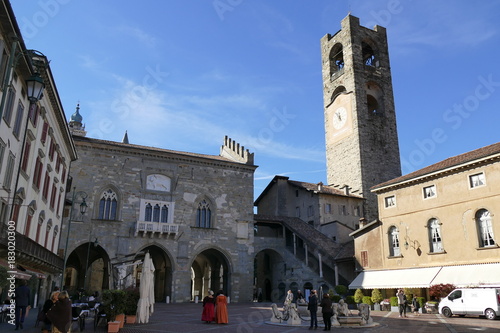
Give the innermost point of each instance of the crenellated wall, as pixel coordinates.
(232, 150)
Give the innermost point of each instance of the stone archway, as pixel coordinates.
(209, 271)
(268, 268)
(87, 269)
(163, 272)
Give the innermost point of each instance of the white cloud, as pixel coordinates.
(138, 34)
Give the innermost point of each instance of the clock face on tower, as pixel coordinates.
(339, 118)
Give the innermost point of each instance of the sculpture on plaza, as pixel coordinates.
(364, 313)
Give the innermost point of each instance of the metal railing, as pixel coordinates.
(156, 227)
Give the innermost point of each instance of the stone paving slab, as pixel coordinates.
(255, 318)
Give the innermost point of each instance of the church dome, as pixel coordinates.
(76, 117)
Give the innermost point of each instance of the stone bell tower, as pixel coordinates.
(360, 120)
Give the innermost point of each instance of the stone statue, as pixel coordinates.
(277, 317)
(364, 312)
(342, 310)
(335, 321)
(293, 315)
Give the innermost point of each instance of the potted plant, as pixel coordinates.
(131, 304)
(394, 304)
(113, 303)
(351, 303)
(421, 303)
(358, 296)
(335, 298)
(341, 290)
(367, 300)
(376, 299)
(385, 305)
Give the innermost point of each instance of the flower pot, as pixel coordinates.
(113, 326)
(121, 319)
(130, 319)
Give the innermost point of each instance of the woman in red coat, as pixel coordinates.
(208, 314)
(221, 308)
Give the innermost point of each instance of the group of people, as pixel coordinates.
(326, 305)
(215, 308)
(55, 315)
(327, 308)
(403, 303)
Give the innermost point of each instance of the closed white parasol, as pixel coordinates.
(145, 306)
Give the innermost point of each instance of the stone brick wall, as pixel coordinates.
(369, 155)
(226, 185)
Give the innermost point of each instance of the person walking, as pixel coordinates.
(60, 314)
(221, 316)
(312, 306)
(22, 299)
(401, 303)
(208, 314)
(415, 305)
(327, 311)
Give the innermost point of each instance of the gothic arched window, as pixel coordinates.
(108, 205)
(164, 214)
(394, 242)
(203, 215)
(485, 228)
(156, 213)
(149, 213)
(434, 227)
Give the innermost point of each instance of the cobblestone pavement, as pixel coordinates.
(255, 318)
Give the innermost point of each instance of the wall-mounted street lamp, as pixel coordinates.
(35, 84)
(83, 209)
(415, 244)
(35, 87)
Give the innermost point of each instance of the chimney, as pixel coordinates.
(346, 190)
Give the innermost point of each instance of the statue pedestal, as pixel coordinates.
(351, 320)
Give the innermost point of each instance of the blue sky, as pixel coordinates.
(183, 74)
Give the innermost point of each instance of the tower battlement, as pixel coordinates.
(232, 150)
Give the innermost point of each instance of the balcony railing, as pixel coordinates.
(32, 254)
(155, 228)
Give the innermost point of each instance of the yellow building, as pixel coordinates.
(436, 225)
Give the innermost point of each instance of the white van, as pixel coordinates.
(472, 301)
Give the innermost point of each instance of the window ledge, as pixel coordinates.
(395, 257)
(102, 220)
(496, 246)
(434, 253)
(203, 228)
